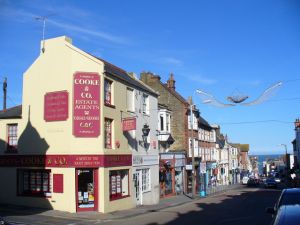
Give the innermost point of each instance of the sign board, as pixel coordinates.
(56, 106)
(144, 160)
(86, 104)
(202, 167)
(129, 124)
(188, 167)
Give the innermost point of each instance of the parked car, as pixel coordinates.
(245, 180)
(287, 215)
(270, 182)
(290, 196)
(252, 182)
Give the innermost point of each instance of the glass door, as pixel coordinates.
(86, 189)
(137, 186)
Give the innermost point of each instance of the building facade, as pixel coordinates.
(65, 148)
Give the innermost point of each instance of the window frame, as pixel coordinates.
(146, 180)
(108, 92)
(110, 134)
(145, 104)
(9, 147)
(130, 102)
(118, 195)
(32, 176)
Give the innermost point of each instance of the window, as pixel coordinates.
(145, 102)
(146, 180)
(161, 119)
(119, 184)
(12, 137)
(130, 100)
(108, 133)
(168, 122)
(108, 92)
(34, 182)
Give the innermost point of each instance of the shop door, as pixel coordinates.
(137, 176)
(87, 189)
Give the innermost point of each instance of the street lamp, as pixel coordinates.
(145, 131)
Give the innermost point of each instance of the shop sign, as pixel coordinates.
(129, 124)
(202, 167)
(56, 106)
(66, 161)
(189, 167)
(166, 156)
(179, 156)
(86, 104)
(143, 160)
(179, 162)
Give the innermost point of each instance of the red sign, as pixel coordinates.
(86, 111)
(66, 161)
(56, 106)
(129, 124)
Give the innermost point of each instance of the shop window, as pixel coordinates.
(146, 180)
(108, 133)
(34, 183)
(12, 137)
(108, 92)
(119, 184)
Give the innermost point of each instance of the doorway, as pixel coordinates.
(87, 189)
(137, 177)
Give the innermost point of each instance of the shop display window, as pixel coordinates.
(119, 184)
(34, 183)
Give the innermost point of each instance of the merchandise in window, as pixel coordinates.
(107, 92)
(119, 184)
(34, 182)
(108, 133)
(12, 137)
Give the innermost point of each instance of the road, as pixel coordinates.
(236, 207)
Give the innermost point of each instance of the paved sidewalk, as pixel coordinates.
(11, 211)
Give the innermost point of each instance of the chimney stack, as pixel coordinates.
(297, 123)
(4, 93)
(171, 82)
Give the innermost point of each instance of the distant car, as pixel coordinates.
(277, 179)
(290, 196)
(270, 183)
(287, 215)
(245, 180)
(252, 182)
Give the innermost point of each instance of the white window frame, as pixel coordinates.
(146, 179)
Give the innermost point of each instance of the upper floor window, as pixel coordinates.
(130, 100)
(12, 137)
(161, 120)
(145, 102)
(192, 121)
(108, 133)
(168, 118)
(108, 92)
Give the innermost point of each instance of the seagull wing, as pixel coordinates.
(210, 99)
(265, 95)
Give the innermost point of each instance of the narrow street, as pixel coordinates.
(240, 206)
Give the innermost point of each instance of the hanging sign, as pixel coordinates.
(129, 124)
(86, 104)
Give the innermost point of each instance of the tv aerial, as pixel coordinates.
(43, 19)
(238, 99)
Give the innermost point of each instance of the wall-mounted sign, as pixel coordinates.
(86, 105)
(144, 160)
(56, 106)
(129, 124)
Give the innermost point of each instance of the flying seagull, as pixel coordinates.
(238, 99)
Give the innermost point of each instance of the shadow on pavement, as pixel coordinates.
(247, 207)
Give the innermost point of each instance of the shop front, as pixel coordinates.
(62, 182)
(166, 174)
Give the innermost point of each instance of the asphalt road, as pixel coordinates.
(236, 207)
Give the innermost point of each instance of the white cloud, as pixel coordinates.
(170, 61)
(202, 80)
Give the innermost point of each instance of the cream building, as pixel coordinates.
(65, 148)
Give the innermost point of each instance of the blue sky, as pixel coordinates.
(221, 47)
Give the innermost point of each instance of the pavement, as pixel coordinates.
(10, 212)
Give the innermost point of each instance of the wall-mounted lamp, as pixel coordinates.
(146, 131)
